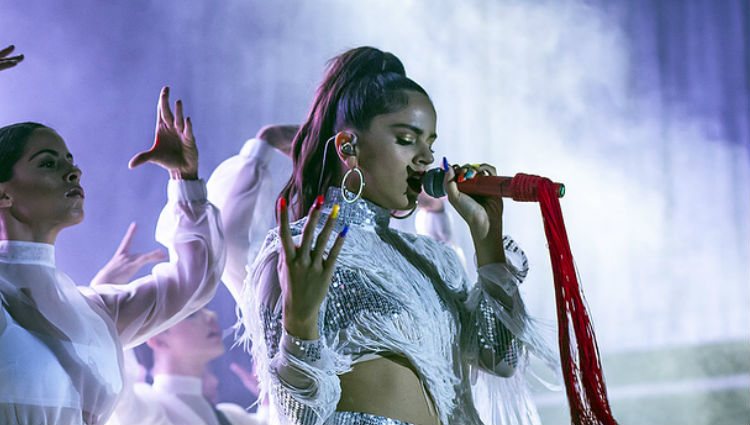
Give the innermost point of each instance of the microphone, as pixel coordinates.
(521, 187)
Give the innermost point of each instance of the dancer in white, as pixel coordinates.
(60, 345)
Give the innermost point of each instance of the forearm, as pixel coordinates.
(497, 312)
(488, 245)
(304, 385)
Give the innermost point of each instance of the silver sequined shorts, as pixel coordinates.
(355, 418)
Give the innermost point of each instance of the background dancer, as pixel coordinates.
(77, 333)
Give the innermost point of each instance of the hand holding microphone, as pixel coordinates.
(521, 187)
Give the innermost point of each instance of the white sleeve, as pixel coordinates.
(245, 188)
(189, 227)
(301, 376)
(493, 331)
(436, 225)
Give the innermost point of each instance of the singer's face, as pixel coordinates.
(395, 151)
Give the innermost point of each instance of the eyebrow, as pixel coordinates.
(416, 130)
(51, 152)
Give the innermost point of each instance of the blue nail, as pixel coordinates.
(344, 231)
(445, 164)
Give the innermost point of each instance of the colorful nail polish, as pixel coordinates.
(445, 164)
(461, 178)
(318, 202)
(470, 174)
(281, 204)
(335, 211)
(344, 231)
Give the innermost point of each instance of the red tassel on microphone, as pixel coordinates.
(579, 354)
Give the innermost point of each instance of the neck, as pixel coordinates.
(179, 365)
(13, 230)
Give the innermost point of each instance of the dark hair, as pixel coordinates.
(359, 84)
(13, 140)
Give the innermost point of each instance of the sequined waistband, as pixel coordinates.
(355, 418)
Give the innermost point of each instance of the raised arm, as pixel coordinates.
(244, 188)
(124, 264)
(189, 226)
(291, 281)
(495, 316)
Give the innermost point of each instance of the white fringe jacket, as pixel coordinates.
(392, 292)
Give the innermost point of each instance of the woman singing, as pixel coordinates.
(378, 326)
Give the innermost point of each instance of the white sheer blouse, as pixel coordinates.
(61, 345)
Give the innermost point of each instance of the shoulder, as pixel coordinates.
(441, 255)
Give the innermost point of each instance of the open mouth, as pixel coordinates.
(214, 334)
(414, 180)
(76, 192)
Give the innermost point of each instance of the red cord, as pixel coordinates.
(579, 355)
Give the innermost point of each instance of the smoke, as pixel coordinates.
(658, 205)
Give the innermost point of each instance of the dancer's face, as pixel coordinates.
(196, 336)
(44, 193)
(394, 152)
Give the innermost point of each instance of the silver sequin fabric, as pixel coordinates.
(391, 292)
(355, 418)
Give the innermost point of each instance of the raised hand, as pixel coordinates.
(123, 265)
(9, 61)
(248, 378)
(484, 215)
(279, 136)
(304, 274)
(174, 144)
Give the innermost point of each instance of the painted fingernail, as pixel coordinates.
(461, 178)
(445, 164)
(281, 204)
(344, 231)
(318, 202)
(335, 211)
(470, 174)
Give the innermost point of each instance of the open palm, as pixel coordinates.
(174, 144)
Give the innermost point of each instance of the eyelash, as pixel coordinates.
(47, 163)
(401, 141)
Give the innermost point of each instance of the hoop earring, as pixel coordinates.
(361, 185)
(407, 215)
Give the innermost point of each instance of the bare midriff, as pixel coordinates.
(387, 386)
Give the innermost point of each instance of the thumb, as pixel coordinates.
(154, 256)
(140, 158)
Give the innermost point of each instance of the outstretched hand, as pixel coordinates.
(304, 274)
(9, 61)
(174, 144)
(248, 378)
(121, 268)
